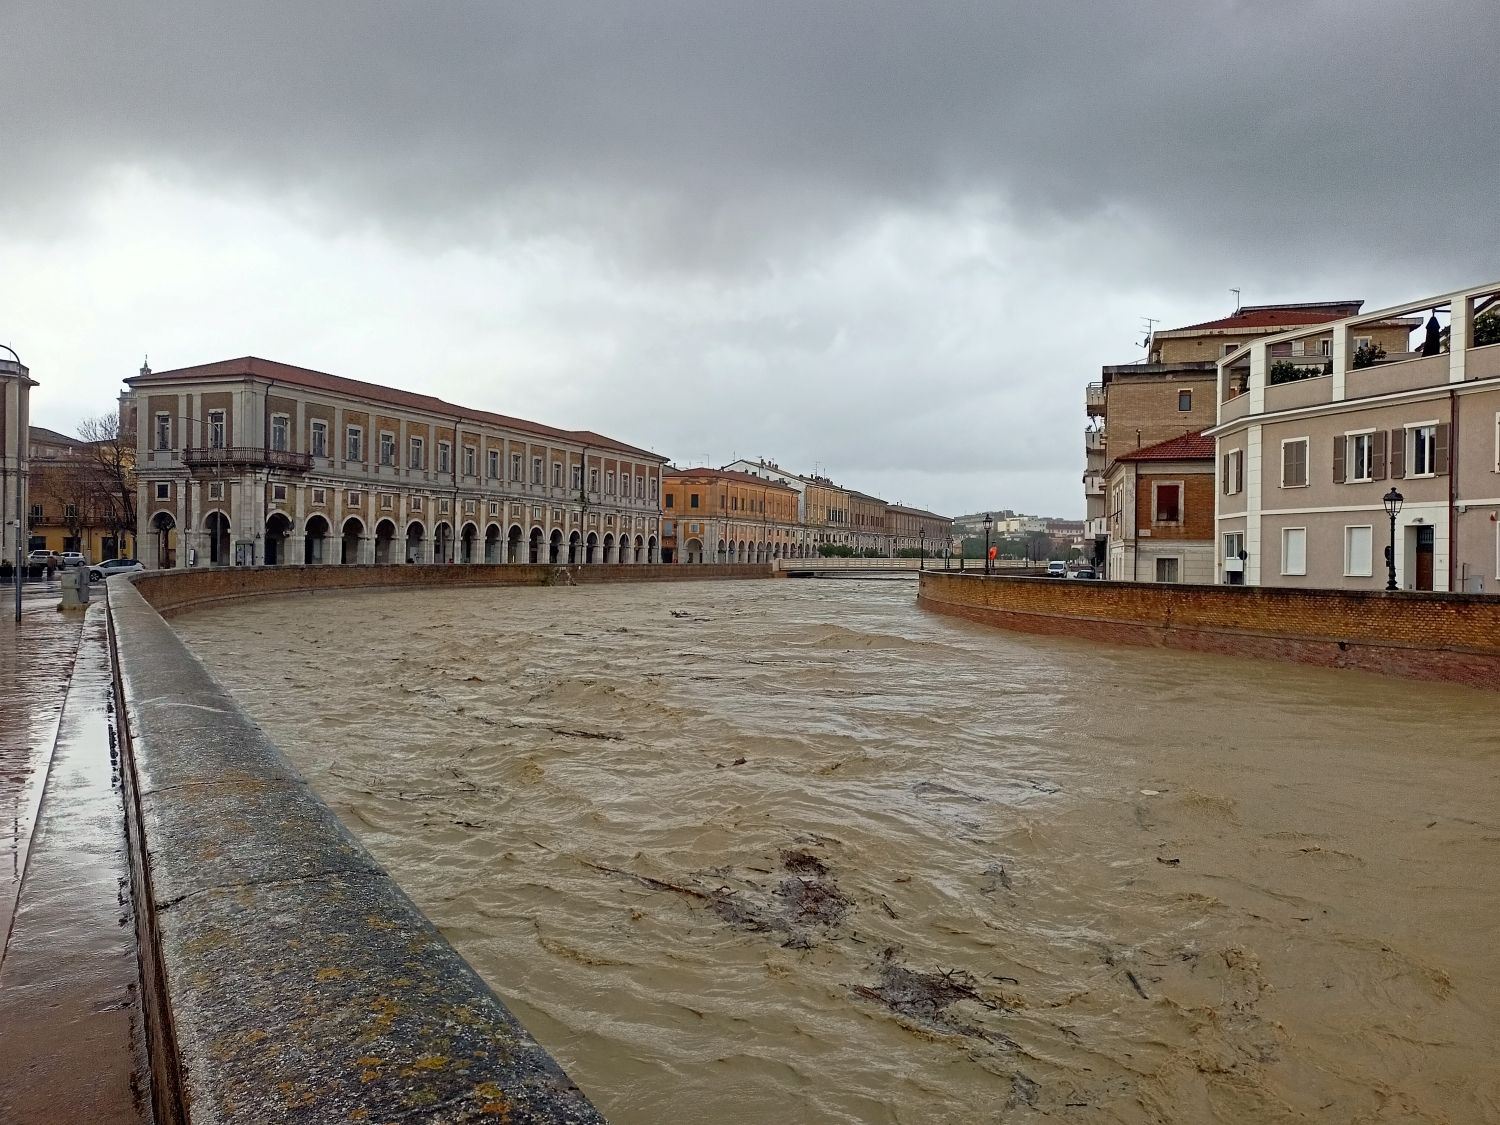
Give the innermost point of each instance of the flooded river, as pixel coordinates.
(799, 852)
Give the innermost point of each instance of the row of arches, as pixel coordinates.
(743, 551)
(320, 543)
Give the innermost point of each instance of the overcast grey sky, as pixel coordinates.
(893, 240)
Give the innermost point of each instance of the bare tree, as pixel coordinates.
(111, 470)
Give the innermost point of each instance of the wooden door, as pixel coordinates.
(1424, 558)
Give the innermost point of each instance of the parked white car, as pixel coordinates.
(114, 566)
(73, 558)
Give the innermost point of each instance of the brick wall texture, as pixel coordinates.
(1448, 637)
(175, 591)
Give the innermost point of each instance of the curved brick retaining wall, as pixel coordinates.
(1448, 637)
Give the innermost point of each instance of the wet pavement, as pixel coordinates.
(36, 663)
(71, 1028)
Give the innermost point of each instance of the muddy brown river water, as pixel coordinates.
(800, 852)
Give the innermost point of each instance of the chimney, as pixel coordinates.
(146, 365)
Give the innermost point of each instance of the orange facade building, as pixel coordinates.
(722, 515)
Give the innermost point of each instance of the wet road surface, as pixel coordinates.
(797, 851)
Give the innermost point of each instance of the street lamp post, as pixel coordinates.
(21, 477)
(921, 548)
(989, 522)
(1392, 501)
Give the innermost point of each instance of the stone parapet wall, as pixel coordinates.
(174, 591)
(288, 977)
(1446, 637)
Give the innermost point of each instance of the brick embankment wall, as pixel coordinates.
(288, 978)
(174, 591)
(1447, 637)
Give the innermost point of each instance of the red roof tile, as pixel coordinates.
(1263, 318)
(1188, 447)
(727, 474)
(254, 367)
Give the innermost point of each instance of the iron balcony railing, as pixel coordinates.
(239, 456)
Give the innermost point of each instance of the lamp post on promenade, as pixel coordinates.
(921, 548)
(1392, 501)
(989, 522)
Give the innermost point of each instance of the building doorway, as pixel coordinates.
(217, 526)
(278, 528)
(315, 540)
(1422, 572)
(166, 541)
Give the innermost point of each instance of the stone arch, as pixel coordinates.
(575, 549)
(353, 540)
(164, 527)
(537, 536)
(316, 534)
(492, 543)
(555, 546)
(637, 554)
(468, 537)
(385, 541)
(719, 554)
(611, 555)
(442, 542)
(591, 548)
(216, 529)
(416, 540)
(278, 531)
(515, 540)
(651, 551)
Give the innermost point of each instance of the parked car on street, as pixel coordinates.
(1085, 572)
(38, 558)
(73, 558)
(113, 566)
(1057, 570)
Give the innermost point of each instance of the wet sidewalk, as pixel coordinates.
(72, 1037)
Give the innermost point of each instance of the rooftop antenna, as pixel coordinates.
(1150, 322)
(1237, 303)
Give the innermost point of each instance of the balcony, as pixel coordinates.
(1093, 397)
(246, 457)
(1093, 485)
(1094, 441)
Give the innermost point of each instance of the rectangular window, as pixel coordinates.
(515, 466)
(1325, 347)
(278, 492)
(1294, 463)
(492, 466)
(536, 470)
(609, 483)
(640, 487)
(470, 507)
(320, 439)
(1359, 457)
(163, 431)
(557, 474)
(1423, 444)
(593, 480)
(216, 429)
(1184, 401)
(1234, 543)
(1361, 342)
(280, 432)
(163, 490)
(387, 502)
(669, 500)
(36, 511)
(654, 487)
(1299, 347)
(1294, 550)
(1234, 472)
(320, 496)
(354, 444)
(693, 500)
(387, 449)
(414, 503)
(471, 460)
(1358, 552)
(216, 490)
(577, 477)
(1166, 503)
(1168, 570)
(417, 458)
(353, 499)
(445, 457)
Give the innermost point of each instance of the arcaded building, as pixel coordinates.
(1311, 441)
(726, 516)
(248, 461)
(15, 455)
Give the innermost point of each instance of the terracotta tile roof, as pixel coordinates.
(1188, 447)
(52, 437)
(254, 367)
(728, 474)
(1264, 318)
(905, 511)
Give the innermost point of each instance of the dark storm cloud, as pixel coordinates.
(712, 136)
